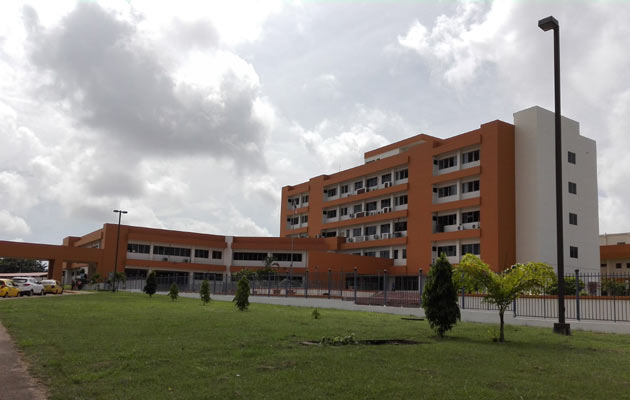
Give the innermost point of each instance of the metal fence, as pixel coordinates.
(604, 297)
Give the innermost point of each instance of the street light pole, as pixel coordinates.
(546, 24)
(120, 213)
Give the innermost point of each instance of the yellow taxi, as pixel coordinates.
(8, 288)
(52, 286)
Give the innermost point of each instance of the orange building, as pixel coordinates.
(488, 192)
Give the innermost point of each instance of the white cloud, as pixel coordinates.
(12, 225)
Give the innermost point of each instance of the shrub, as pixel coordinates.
(339, 340)
(173, 292)
(150, 286)
(204, 292)
(242, 294)
(439, 299)
(315, 314)
(569, 286)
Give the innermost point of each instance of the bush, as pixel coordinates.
(242, 294)
(204, 292)
(173, 292)
(569, 286)
(315, 314)
(150, 286)
(439, 299)
(614, 287)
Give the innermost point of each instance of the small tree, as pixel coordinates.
(204, 292)
(150, 286)
(503, 288)
(173, 292)
(439, 299)
(242, 294)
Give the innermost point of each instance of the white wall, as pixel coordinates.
(535, 191)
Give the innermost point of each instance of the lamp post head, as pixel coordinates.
(548, 23)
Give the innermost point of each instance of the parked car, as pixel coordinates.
(8, 288)
(28, 286)
(52, 286)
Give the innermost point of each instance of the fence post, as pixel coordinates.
(514, 306)
(253, 285)
(286, 286)
(420, 285)
(214, 284)
(329, 273)
(355, 285)
(384, 287)
(463, 297)
(306, 284)
(268, 285)
(577, 294)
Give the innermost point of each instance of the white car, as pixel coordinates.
(29, 286)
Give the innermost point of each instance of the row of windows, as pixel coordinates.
(451, 190)
(138, 248)
(171, 251)
(370, 206)
(297, 257)
(451, 250)
(449, 162)
(369, 183)
(384, 253)
(295, 201)
(248, 256)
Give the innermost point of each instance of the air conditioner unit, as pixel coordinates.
(387, 209)
(459, 227)
(388, 184)
(385, 235)
(375, 237)
(360, 191)
(350, 240)
(359, 214)
(474, 226)
(358, 238)
(366, 238)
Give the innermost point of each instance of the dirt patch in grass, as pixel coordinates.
(371, 342)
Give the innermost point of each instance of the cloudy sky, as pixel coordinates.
(192, 116)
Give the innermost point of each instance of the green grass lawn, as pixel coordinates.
(127, 346)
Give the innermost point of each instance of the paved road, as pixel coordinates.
(15, 381)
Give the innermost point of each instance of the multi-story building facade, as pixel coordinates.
(615, 253)
(488, 192)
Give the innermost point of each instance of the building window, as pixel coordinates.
(371, 182)
(243, 256)
(603, 265)
(356, 232)
(573, 252)
(618, 265)
(385, 228)
(395, 254)
(332, 192)
(386, 178)
(386, 203)
(401, 200)
(304, 219)
(621, 243)
(329, 234)
(404, 254)
(472, 186)
(331, 213)
(358, 208)
(305, 198)
(402, 174)
(370, 254)
(470, 156)
(447, 162)
(287, 256)
(217, 255)
(383, 253)
(444, 220)
(627, 265)
(344, 189)
(199, 253)
(138, 248)
(358, 185)
(470, 216)
(370, 230)
(371, 206)
(171, 251)
(472, 248)
(571, 157)
(294, 220)
(572, 188)
(573, 219)
(450, 251)
(343, 211)
(400, 226)
(447, 191)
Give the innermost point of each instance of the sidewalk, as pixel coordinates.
(15, 381)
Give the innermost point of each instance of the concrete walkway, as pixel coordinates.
(15, 381)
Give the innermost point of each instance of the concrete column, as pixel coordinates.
(191, 277)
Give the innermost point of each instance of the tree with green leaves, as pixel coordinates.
(13, 265)
(503, 288)
(204, 292)
(150, 286)
(439, 299)
(242, 294)
(173, 292)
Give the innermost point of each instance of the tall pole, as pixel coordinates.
(546, 24)
(120, 213)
